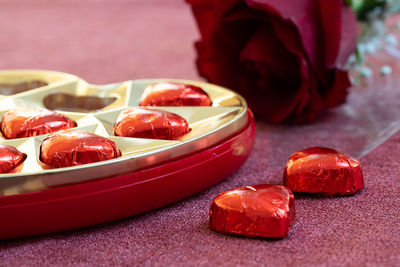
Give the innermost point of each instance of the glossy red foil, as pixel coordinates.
(26, 122)
(323, 170)
(72, 148)
(10, 158)
(174, 94)
(150, 123)
(256, 210)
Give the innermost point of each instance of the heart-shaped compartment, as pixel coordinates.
(68, 102)
(16, 88)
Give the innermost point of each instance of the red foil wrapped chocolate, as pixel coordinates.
(150, 123)
(174, 94)
(10, 158)
(26, 122)
(324, 171)
(72, 148)
(256, 210)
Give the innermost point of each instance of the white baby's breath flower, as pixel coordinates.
(386, 70)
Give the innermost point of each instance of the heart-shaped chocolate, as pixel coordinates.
(68, 102)
(10, 158)
(27, 122)
(174, 94)
(150, 123)
(324, 171)
(254, 210)
(71, 148)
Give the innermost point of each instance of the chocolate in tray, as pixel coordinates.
(57, 129)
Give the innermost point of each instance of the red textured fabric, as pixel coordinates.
(136, 39)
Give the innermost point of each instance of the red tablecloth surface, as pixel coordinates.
(109, 41)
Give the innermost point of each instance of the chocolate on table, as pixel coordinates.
(254, 211)
(174, 94)
(12, 89)
(150, 123)
(10, 158)
(324, 171)
(26, 122)
(71, 148)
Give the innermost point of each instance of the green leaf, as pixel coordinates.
(363, 7)
(359, 56)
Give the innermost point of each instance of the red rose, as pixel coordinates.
(285, 57)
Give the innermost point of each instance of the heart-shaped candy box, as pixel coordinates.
(150, 173)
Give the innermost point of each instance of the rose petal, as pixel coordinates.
(264, 46)
(216, 66)
(241, 11)
(348, 37)
(289, 36)
(235, 35)
(340, 34)
(272, 103)
(205, 20)
(271, 98)
(201, 2)
(314, 105)
(304, 14)
(330, 12)
(218, 52)
(275, 98)
(210, 14)
(338, 91)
